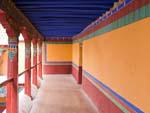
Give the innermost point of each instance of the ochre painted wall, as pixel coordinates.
(121, 60)
(59, 52)
(58, 58)
(75, 54)
(3, 63)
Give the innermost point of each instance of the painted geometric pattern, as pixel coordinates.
(2, 99)
(116, 99)
(12, 51)
(134, 16)
(3, 93)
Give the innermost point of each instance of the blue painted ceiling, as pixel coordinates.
(63, 18)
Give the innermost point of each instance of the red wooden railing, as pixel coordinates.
(28, 69)
(11, 80)
(20, 74)
(6, 82)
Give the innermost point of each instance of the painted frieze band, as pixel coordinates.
(118, 100)
(134, 16)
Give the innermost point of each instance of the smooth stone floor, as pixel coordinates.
(61, 94)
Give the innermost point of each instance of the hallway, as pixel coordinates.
(82, 56)
(61, 94)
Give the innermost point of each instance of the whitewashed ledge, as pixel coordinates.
(25, 102)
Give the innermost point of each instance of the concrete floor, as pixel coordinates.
(61, 94)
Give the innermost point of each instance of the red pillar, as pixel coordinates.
(34, 41)
(80, 63)
(27, 66)
(40, 58)
(12, 71)
(12, 87)
(27, 60)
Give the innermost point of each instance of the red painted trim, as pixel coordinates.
(77, 74)
(117, 99)
(57, 69)
(58, 62)
(136, 4)
(103, 104)
(59, 40)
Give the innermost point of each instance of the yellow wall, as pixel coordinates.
(59, 52)
(75, 53)
(121, 60)
(3, 64)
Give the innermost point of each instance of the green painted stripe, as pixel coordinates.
(58, 42)
(139, 14)
(109, 96)
(75, 65)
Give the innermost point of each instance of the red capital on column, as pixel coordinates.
(34, 80)
(12, 87)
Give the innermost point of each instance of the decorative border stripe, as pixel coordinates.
(58, 39)
(110, 98)
(137, 110)
(75, 65)
(70, 42)
(58, 63)
(132, 17)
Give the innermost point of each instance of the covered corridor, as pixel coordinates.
(82, 56)
(61, 94)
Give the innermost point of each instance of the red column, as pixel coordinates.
(27, 66)
(12, 87)
(80, 63)
(34, 41)
(40, 58)
(12, 71)
(27, 40)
